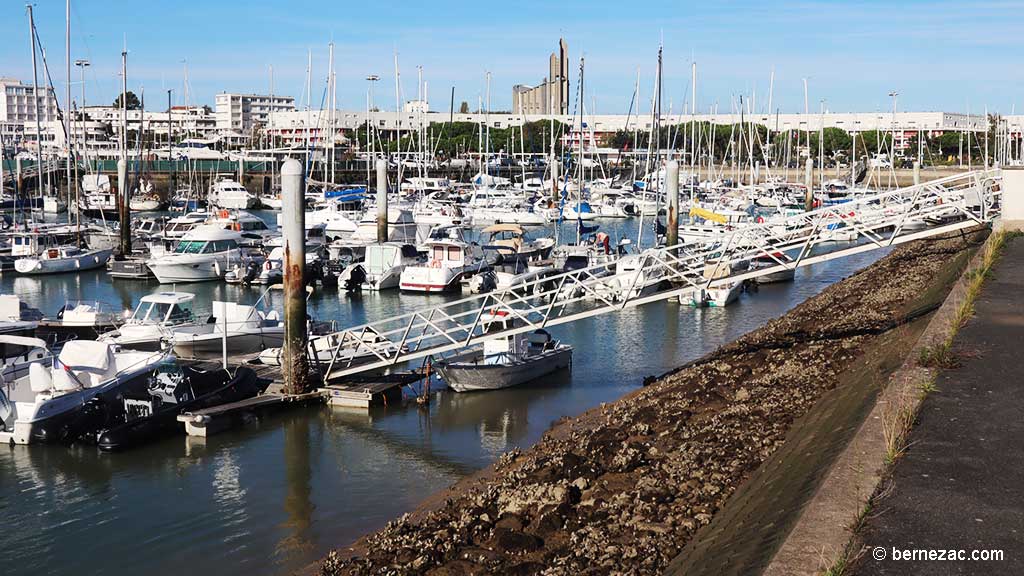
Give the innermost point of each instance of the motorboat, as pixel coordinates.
(720, 294)
(449, 259)
(773, 260)
(204, 253)
(229, 194)
(43, 406)
(516, 276)
(177, 227)
(242, 328)
(631, 278)
(80, 320)
(511, 244)
(505, 361)
(17, 353)
(327, 349)
(146, 413)
(16, 317)
(253, 230)
(149, 326)
(384, 263)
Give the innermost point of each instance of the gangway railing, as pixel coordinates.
(786, 243)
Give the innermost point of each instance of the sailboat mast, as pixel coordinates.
(35, 99)
(67, 105)
(125, 207)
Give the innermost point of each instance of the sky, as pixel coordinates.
(954, 56)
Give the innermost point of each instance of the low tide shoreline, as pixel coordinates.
(626, 486)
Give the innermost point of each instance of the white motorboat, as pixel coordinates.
(449, 259)
(228, 193)
(242, 328)
(204, 253)
(505, 361)
(42, 406)
(253, 230)
(17, 353)
(716, 296)
(62, 259)
(16, 317)
(177, 227)
(631, 279)
(776, 259)
(149, 326)
(324, 350)
(511, 244)
(384, 263)
(78, 319)
(519, 276)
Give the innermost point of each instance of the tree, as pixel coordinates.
(131, 99)
(464, 107)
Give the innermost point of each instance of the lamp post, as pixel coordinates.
(370, 79)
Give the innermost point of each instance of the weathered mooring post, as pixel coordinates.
(295, 368)
(809, 181)
(241, 171)
(382, 201)
(917, 173)
(556, 165)
(672, 190)
(123, 207)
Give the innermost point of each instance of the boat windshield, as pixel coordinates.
(381, 258)
(190, 247)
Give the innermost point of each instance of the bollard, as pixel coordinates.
(124, 207)
(809, 181)
(241, 171)
(382, 201)
(917, 173)
(293, 219)
(672, 190)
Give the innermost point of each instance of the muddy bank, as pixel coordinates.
(625, 486)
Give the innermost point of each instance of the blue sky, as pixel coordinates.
(938, 55)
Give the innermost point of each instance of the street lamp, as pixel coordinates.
(893, 95)
(369, 125)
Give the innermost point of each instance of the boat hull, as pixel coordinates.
(212, 345)
(468, 376)
(164, 422)
(86, 261)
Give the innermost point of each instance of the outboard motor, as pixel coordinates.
(352, 278)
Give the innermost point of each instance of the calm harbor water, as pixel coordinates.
(277, 494)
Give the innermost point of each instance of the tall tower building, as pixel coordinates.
(551, 96)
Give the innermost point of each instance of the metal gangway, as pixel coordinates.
(11, 175)
(880, 220)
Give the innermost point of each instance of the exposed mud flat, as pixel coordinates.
(625, 486)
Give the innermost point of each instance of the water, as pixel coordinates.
(276, 495)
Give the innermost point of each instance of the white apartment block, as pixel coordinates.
(17, 103)
(240, 112)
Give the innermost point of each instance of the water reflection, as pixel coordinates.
(298, 505)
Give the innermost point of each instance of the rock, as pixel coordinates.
(514, 541)
(742, 395)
